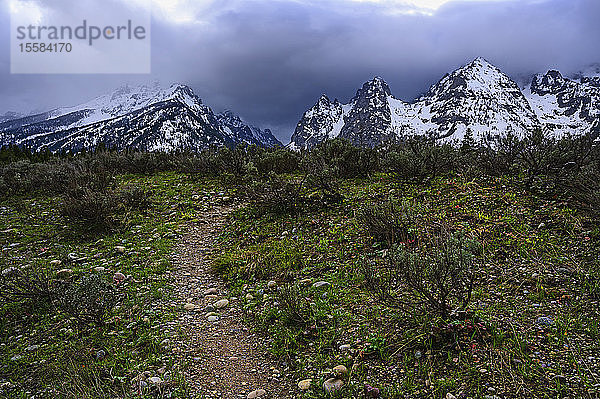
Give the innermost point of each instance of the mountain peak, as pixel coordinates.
(480, 61)
(375, 90)
(378, 84)
(143, 117)
(550, 82)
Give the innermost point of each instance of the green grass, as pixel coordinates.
(66, 365)
(540, 259)
(536, 256)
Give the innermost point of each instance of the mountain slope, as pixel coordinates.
(144, 118)
(565, 105)
(477, 97)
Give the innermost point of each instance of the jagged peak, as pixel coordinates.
(480, 66)
(324, 99)
(547, 82)
(481, 61)
(378, 82)
(373, 88)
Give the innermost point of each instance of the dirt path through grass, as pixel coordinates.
(219, 356)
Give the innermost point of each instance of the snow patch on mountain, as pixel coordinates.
(477, 97)
(143, 117)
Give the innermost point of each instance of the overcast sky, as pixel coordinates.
(270, 60)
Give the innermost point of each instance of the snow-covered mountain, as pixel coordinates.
(564, 105)
(244, 133)
(477, 97)
(144, 118)
(8, 116)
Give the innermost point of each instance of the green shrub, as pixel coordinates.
(273, 194)
(134, 197)
(418, 159)
(342, 159)
(89, 300)
(436, 276)
(94, 208)
(388, 222)
(17, 285)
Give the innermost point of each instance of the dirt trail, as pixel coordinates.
(223, 358)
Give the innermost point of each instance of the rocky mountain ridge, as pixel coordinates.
(477, 97)
(146, 118)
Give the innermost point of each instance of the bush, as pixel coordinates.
(17, 285)
(278, 160)
(436, 277)
(273, 194)
(322, 182)
(94, 208)
(134, 197)
(293, 305)
(388, 222)
(499, 155)
(418, 159)
(343, 159)
(89, 300)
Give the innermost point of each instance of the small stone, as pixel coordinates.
(99, 269)
(10, 271)
(119, 277)
(271, 284)
(257, 394)
(372, 392)
(211, 291)
(340, 371)
(333, 386)
(320, 284)
(450, 396)
(55, 262)
(304, 385)
(120, 249)
(100, 354)
(16, 358)
(212, 319)
(32, 348)
(64, 274)
(189, 306)
(545, 321)
(221, 304)
(249, 297)
(305, 281)
(155, 380)
(345, 348)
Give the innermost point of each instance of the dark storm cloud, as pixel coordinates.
(270, 60)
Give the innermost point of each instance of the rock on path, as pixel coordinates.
(220, 358)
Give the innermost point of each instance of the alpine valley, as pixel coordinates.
(146, 118)
(477, 97)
